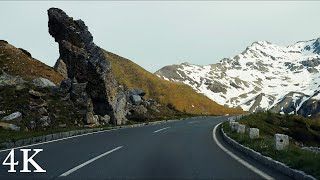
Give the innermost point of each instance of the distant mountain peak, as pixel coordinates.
(264, 76)
(261, 43)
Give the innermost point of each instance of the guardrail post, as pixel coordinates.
(253, 133)
(281, 141)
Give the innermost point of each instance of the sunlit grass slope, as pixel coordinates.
(181, 96)
(17, 62)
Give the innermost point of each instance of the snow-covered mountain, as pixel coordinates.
(263, 77)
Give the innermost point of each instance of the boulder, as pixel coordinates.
(96, 119)
(91, 119)
(135, 99)
(105, 119)
(281, 141)
(9, 80)
(42, 82)
(8, 126)
(138, 92)
(253, 133)
(16, 116)
(85, 62)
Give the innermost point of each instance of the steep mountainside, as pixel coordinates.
(182, 97)
(263, 77)
(17, 61)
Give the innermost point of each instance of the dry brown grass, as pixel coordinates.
(181, 96)
(15, 62)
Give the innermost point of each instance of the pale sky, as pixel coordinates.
(155, 34)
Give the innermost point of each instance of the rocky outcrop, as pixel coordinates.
(290, 103)
(135, 99)
(43, 82)
(82, 60)
(311, 106)
(135, 96)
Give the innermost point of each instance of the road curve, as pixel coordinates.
(175, 150)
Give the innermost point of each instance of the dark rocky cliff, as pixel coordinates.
(83, 61)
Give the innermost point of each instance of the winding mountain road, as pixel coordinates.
(175, 150)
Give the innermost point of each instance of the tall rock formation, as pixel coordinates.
(84, 62)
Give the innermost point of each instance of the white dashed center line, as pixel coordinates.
(161, 129)
(192, 122)
(89, 161)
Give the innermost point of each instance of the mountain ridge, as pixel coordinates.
(257, 79)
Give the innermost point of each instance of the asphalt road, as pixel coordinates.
(175, 150)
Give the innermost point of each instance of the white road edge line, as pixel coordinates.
(88, 162)
(46, 142)
(243, 162)
(161, 129)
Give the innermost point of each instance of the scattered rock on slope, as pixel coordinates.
(9, 80)
(16, 116)
(9, 126)
(85, 62)
(43, 82)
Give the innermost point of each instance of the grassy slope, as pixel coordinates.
(181, 96)
(301, 131)
(60, 112)
(15, 62)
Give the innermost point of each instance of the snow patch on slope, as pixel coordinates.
(261, 76)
